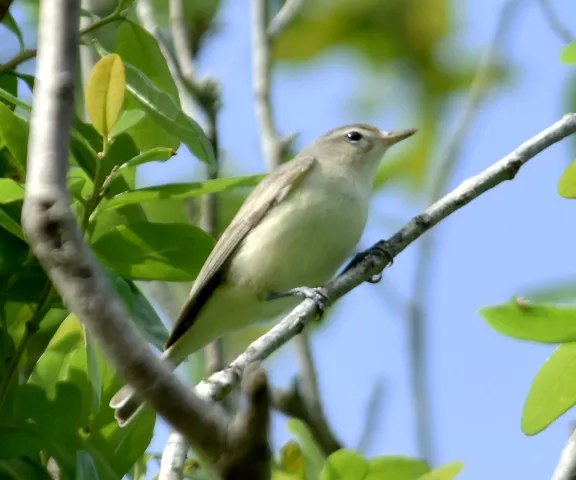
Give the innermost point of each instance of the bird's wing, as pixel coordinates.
(268, 193)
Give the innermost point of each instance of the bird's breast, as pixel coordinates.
(303, 240)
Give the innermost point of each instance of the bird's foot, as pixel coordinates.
(380, 250)
(318, 295)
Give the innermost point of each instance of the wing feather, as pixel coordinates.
(271, 191)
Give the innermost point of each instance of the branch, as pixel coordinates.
(423, 276)
(55, 238)
(28, 54)
(291, 403)
(555, 24)
(273, 147)
(284, 17)
(145, 13)
(220, 383)
(270, 141)
(566, 468)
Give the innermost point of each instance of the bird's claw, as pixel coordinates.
(379, 250)
(316, 294)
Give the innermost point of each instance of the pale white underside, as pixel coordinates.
(301, 242)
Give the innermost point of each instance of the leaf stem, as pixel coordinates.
(95, 196)
(32, 326)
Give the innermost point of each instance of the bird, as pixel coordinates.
(290, 236)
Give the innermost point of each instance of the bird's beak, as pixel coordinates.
(395, 137)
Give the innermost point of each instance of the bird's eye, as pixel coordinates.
(354, 136)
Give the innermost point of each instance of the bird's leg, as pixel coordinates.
(318, 295)
(380, 250)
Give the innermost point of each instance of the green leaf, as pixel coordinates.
(8, 224)
(160, 154)
(553, 391)
(79, 184)
(10, 99)
(23, 468)
(60, 413)
(155, 251)
(568, 54)
(280, 475)
(292, 460)
(57, 419)
(121, 447)
(13, 253)
(53, 366)
(11, 25)
(179, 190)
(539, 323)
(9, 83)
(139, 48)
(105, 93)
(396, 467)
(165, 111)
(148, 134)
(10, 191)
(88, 134)
(567, 183)
(448, 471)
(350, 465)
(145, 317)
(86, 158)
(86, 469)
(14, 134)
(169, 211)
(40, 340)
(127, 120)
(93, 370)
(124, 5)
(19, 441)
(122, 148)
(65, 359)
(312, 454)
(345, 465)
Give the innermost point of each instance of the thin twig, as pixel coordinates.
(372, 420)
(290, 9)
(173, 457)
(566, 468)
(28, 54)
(219, 384)
(555, 24)
(424, 262)
(270, 141)
(272, 146)
(145, 13)
(310, 388)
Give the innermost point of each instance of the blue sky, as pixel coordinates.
(515, 237)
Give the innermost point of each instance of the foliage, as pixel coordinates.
(553, 391)
(55, 384)
(302, 460)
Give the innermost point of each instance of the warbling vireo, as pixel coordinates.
(294, 230)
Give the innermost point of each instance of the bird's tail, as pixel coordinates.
(126, 405)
